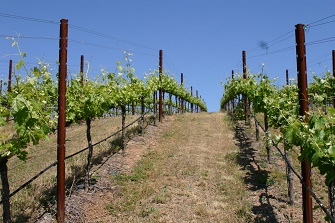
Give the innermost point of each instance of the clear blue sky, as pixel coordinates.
(202, 39)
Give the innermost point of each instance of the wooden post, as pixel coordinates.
(9, 87)
(82, 69)
(303, 109)
(191, 103)
(233, 100)
(182, 100)
(245, 98)
(61, 121)
(331, 186)
(160, 90)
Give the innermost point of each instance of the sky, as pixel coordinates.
(203, 39)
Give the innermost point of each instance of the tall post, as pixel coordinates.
(1, 87)
(61, 121)
(82, 69)
(331, 186)
(192, 96)
(160, 90)
(333, 59)
(233, 100)
(245, 98)
(287, 80)
(303, 109)
(182, 100)
(9, 87)
(197, 106)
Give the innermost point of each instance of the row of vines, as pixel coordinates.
(30, 105)
(280, 106)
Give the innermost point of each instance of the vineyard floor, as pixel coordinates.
(189, 168)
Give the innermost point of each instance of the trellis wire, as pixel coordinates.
(297, 175)
(67, 157)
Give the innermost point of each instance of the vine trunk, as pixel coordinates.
(5, 190)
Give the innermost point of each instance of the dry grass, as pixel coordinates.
(42, 191)
(192, 176)
(195, 168)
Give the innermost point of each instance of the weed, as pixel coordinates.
(263, 163)
(168, 134)
(233, 156)
(162, 197)
(200, 210)
(146, 212)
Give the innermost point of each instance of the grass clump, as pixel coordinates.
(134, 186)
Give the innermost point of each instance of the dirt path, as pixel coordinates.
(185, 170)
(191, 168)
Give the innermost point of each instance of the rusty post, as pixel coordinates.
(1, 87)
(160, 89)
(192, 96)
(197, 106)
(82, 69)
(303, 109)
(61, 121)
(182, 100)
(245, 98)
(331, 186)
(333, 59)
(233, 100)
(9, 87)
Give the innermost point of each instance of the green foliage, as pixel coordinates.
(32, 100)
(315, 137)
(317, 140)
(170, 85)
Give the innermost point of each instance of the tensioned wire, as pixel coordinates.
(69, 156)
(297, 174)
(117, 39)
(281, 39)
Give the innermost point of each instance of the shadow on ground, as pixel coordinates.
(76, 182)
(256, 178)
